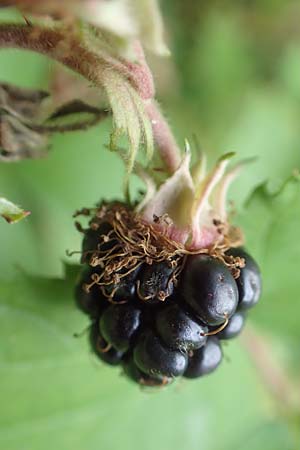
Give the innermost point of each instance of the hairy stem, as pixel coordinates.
(64, 46)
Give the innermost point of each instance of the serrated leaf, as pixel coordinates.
(11, 212)
(271, 222)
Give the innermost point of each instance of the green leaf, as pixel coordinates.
(271, 222)
(56, 395)
(10, 212)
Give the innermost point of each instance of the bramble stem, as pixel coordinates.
(64, 46)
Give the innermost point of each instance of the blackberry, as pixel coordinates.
(158, 308)
(104, 351)
(234, 327)
(119, 324)
(209, 289)
(155, 359)
(178, 330)
(249, 281)
(204, 360)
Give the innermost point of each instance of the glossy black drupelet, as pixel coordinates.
(178, 330)
(119, 324)
(155, 281)
(155, 359)
(102, 349)
(125, 290)
(204, 360)
(235, 325)
(249, 281)
(92, 302)
(209, 289)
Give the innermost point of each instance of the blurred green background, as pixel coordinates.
(234, 82)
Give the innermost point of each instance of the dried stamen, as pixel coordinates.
(132, 242)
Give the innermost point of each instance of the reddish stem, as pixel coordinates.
(163, 136)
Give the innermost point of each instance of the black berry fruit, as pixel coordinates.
(157, 360)
(90, 302)
(249, 281)
(156, 282)
(178, 330)
(159, 303)
(234, 327)
(205, 360)
(119, 324)
(102, 349)
(209, 289)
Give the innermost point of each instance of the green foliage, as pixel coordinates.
(237, 86)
